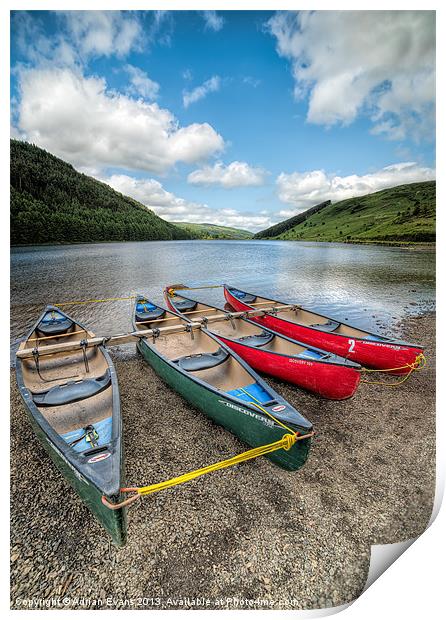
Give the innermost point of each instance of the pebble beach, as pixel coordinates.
(249, 537)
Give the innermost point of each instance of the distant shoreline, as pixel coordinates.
(419, 245)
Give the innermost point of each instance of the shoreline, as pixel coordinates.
(252, 531)
(419, 245)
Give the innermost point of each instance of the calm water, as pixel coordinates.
(370, 286)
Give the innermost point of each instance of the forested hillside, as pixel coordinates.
(53, 203)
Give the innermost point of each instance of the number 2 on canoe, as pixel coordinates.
(351, 348)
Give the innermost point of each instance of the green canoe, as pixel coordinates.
(218, 382)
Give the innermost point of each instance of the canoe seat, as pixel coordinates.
(247, 297)
(146, 312)
(330, 326)
(72, 391)
(53, 327)
(185, 304)
(256, 340)
(253, 392)
(202, 361)
(311, 354)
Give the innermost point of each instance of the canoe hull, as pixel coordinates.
(331, 381)
(250, 427)
(113, 521)
(369, 353)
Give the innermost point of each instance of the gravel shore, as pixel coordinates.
(281, 539)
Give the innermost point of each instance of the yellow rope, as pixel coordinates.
(419, 363)
(287, 428)
(258, 405)
(172, 289)
(93, 301)
(286, 443)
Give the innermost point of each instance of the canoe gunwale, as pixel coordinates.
(340, 361)
(358, 338)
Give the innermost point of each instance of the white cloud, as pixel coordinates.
(381, 63)
(303, 190)
(165, 204)
(213, 21)
(161, 28)
(25, 29)
(28, 34)
(236, 174)
(15, 133)
(103, 33)
(150, 193)
(210, 86)
(141, 84)
(78, 119)
(80, 36)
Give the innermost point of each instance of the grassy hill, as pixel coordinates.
(53, 203)
(400, 214)
(212, 231)
(286, 225)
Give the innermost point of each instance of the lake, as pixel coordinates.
(370, 286)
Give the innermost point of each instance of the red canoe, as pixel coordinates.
(267, 351)
(371, 350)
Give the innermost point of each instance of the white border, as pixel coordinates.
(411, 587)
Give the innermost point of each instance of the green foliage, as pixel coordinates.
(53, 203)
(400, 214)
(212, 231)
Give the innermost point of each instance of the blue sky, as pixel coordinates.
(237, 118)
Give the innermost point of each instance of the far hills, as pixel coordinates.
(405, 213)
(277, 229)
(212, 231)
(51, 202)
